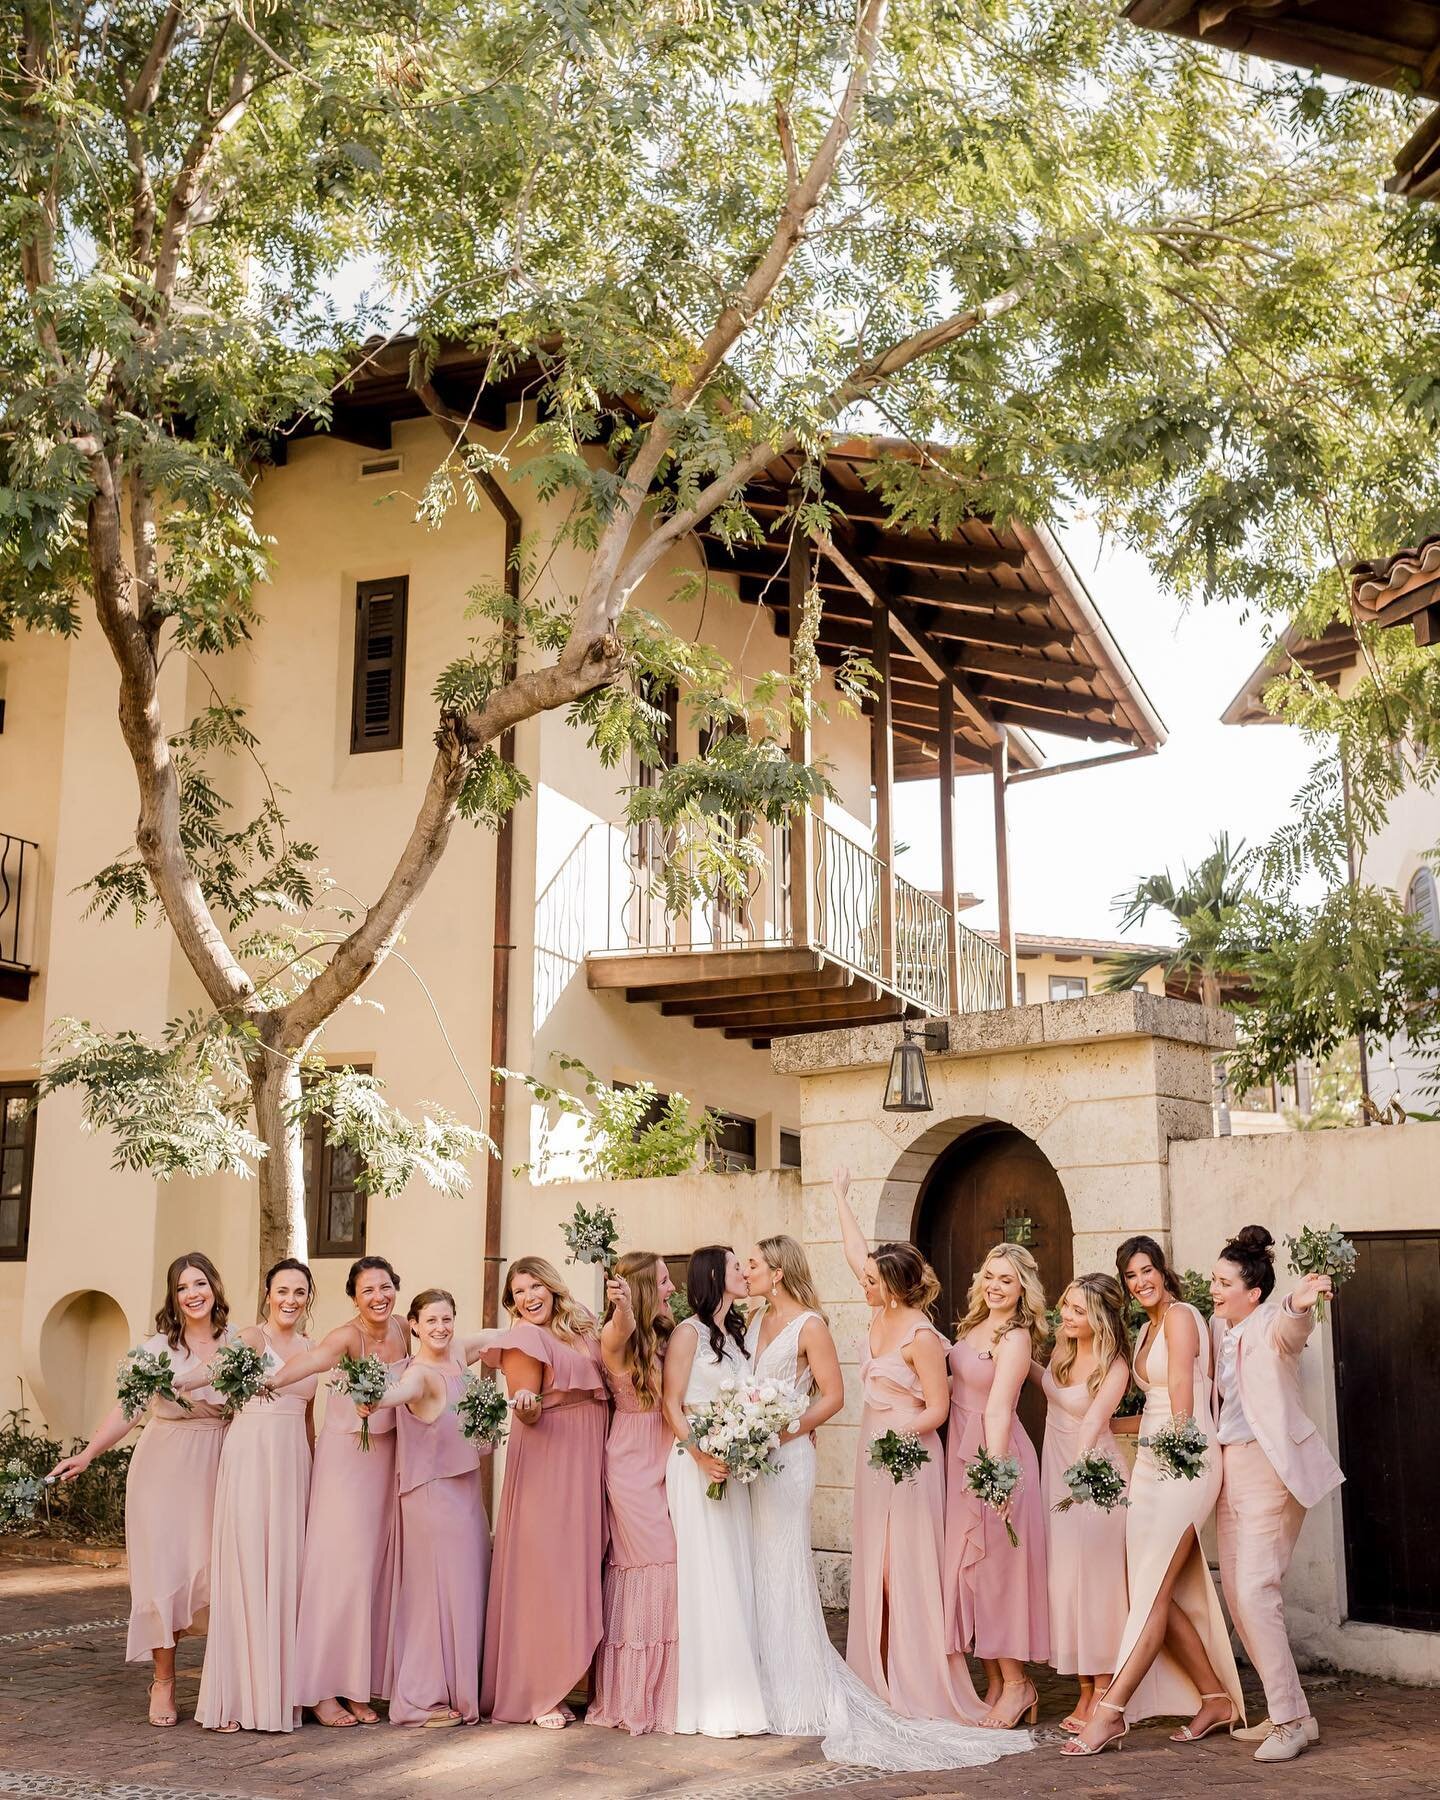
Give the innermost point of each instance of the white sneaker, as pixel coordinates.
(1285, 1743)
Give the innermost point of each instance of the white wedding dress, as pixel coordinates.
(809, 1690)
(718, 1688)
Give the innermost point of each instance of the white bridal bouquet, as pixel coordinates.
(742, 1426)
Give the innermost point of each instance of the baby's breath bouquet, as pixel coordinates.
(143, 1376)
(900, 1454)
(1322, 1253)
(237, 1375)
(362, 1379)
(1093, 1480)
(21, 1492)
(1180, 1448)
(593, 1234)
(993, 1479)
(743, 1426)
(481, 1410)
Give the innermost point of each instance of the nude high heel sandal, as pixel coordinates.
(1186, 1736)
(1078, 1747)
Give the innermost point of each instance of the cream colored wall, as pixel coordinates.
(1037, 971)
(1382, 1179)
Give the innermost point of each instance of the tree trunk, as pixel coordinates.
(275, 1087)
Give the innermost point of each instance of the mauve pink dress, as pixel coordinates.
(997, 1599)
(260, 1501)
(897, 1541)
(637, 1670)
(347, 1584)
(170, 1512)
(1089, 1599)
(444, 1567)
(545, 1616)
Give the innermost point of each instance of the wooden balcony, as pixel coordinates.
(19, 858)
(861, 947)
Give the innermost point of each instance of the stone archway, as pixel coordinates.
(81, 1342)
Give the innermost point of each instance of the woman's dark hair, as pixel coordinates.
(906, 1276)
(1251, 1253)
(1146, 1246)
(361, 1264)
(170, 1319)
(292, 1262)
(705, 1289)
(429, 1297)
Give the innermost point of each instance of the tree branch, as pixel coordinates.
(190, 179)
(146, 87)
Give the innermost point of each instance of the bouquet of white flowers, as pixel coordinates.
(144, 1376)
(898, 1454)
(742, 1426)
(593, 1234)
(363, 1379)
(481, 1410)
(237, 1375)
(1322, 1253)
(1093, 1480)
(993, 1480)
(1179, 1448)
(20, 1495)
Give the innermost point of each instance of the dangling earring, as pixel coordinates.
(774, 1287)
(893, 1303)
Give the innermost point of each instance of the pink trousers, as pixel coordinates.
(1258, 1520)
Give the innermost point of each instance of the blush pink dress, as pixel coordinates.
(444, 1567)
(897, 1545)
(1086, 1549)
(545, 1616)
(996, 1598)
(347, 1582)
(170, 1512)
(637, 1669)
(260, 1502)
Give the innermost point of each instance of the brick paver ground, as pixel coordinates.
(72, 1728)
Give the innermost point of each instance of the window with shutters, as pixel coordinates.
(17, 1167)
(377, 709)
(334, 1200)
(1423, 902)
(734, 1147)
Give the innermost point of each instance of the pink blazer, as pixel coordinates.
(1267, 1371)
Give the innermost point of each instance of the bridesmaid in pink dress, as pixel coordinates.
(170, 1487)
(444, 1540)
(896, 1642)
(1085, 1381)
(636, 1671)
(545, 1616)
(348, 1578)
(248, 1681)
(996, 1599)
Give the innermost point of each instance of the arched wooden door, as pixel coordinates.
(992, 1186)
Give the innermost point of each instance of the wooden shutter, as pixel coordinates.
(377, 709)
(1424, 904)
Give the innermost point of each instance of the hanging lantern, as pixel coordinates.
(908, 1089)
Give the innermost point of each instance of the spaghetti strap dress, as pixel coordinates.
(1088, 1593)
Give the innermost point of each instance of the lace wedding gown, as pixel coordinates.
(809, 1690)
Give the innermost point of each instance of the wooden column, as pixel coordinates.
(801, 828)
(948, 892)
(882, 773)
(1000, 766)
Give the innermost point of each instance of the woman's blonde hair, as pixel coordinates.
(645, 1351)
(1104, 1301)
(787, 1260)
(569, 1319)
(1029, 1308)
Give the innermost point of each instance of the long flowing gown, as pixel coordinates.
(348, 1580)
(718, 1693)
(545, 1616)
(444, 1566)
(1088, 1592)
(638, 1668)
(897, 1547)
(996, 1598)
(260, 1499)
(170, 1512)
(809, 1690)
(1165, 1512)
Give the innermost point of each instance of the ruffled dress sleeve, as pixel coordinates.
(571, 1365)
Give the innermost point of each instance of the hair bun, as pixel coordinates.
(1254, 1237)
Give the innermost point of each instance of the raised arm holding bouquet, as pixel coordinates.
(1275, 1462)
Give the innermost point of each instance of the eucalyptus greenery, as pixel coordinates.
(1090, 265)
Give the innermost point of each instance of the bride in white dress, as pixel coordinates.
(718, 1690)
(808, 1689)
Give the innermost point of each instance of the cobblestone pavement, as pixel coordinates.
(72, 1727)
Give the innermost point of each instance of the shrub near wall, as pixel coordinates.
(90, 1510)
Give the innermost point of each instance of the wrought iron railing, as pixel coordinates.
(18, 858)
(981, 965)
(847, 901)
(662, 894)
(922, 958)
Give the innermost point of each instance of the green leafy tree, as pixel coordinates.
(1203, 906)
(1078, 258)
